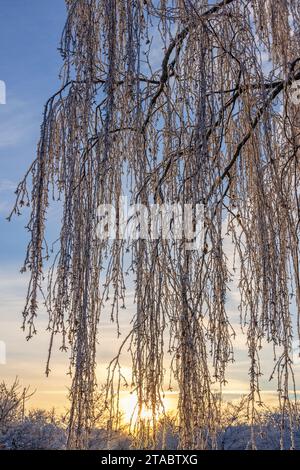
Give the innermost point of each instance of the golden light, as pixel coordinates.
(129, 408)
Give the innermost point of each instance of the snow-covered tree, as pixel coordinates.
(38, 430)
(171, 101)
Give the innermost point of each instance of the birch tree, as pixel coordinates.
(182, 101)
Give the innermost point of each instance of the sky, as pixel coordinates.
(29, 65)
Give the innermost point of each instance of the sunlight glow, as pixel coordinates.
(129, 408)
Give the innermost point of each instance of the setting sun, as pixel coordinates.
(129, 408)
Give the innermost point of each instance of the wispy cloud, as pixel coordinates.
(7, 185)
(18, 123)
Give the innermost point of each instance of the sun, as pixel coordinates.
(129, 408)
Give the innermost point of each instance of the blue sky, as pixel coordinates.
(29, 64)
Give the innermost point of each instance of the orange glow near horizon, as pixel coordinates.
(129, 408)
